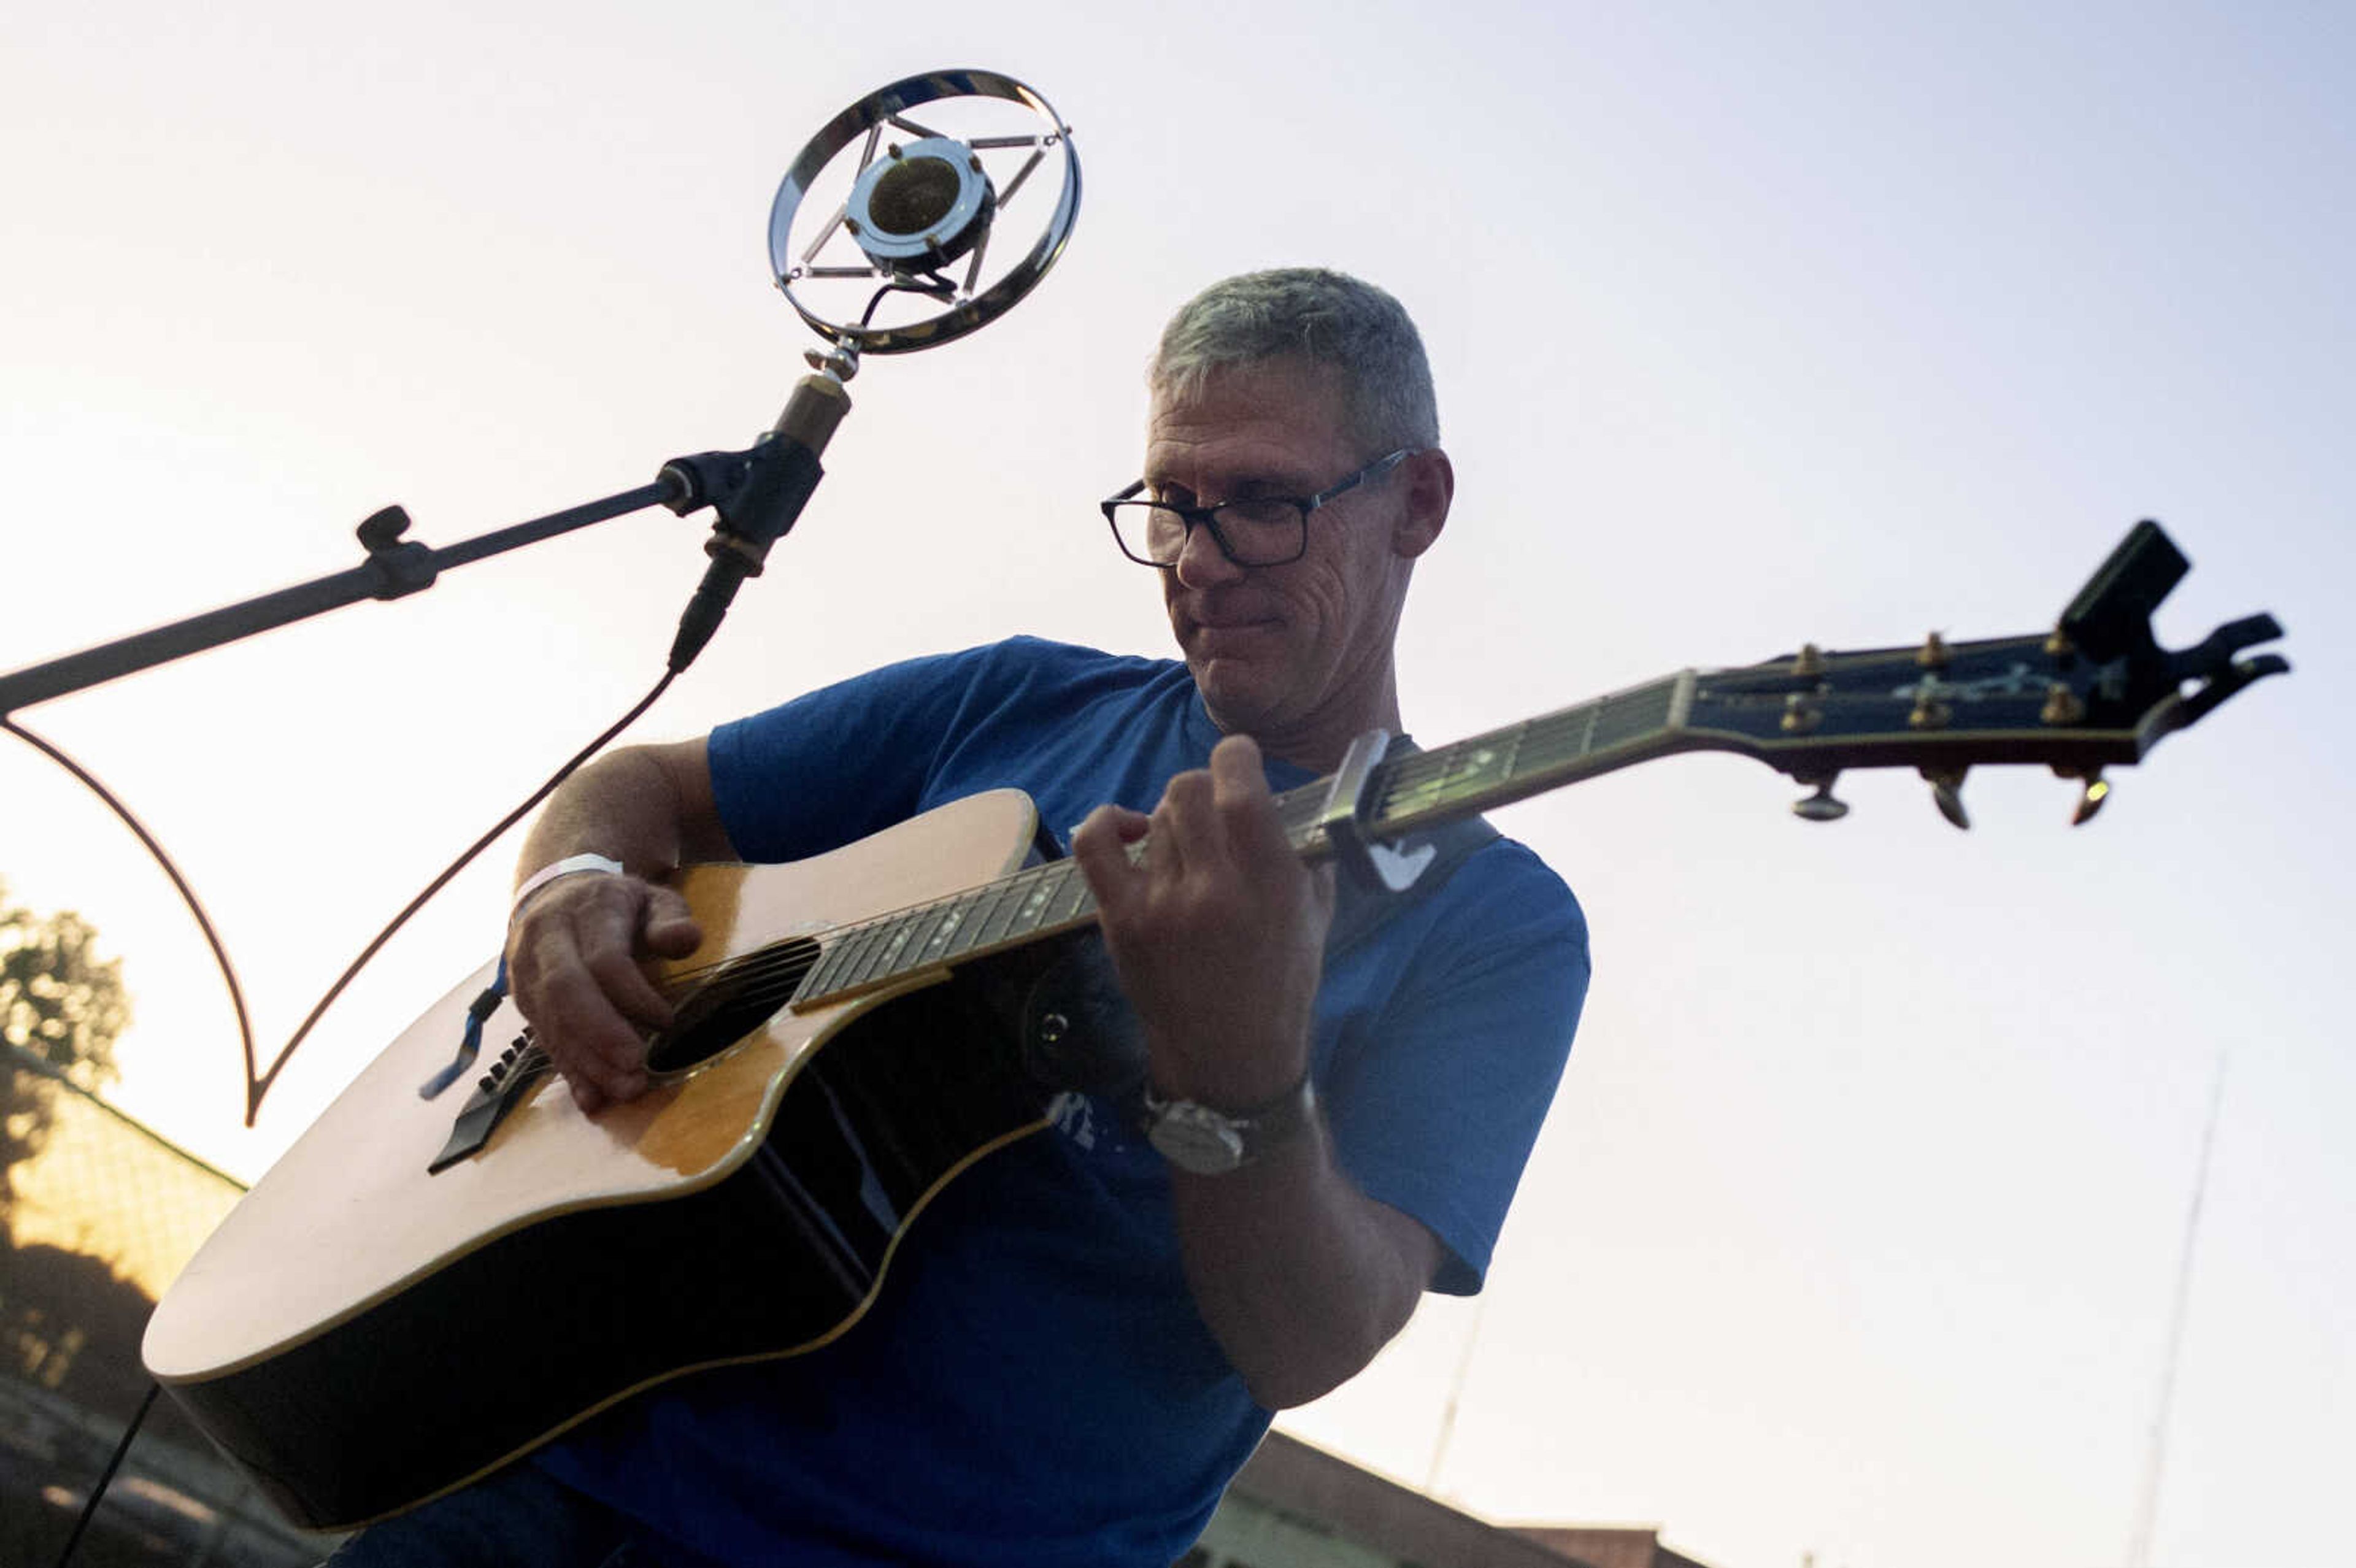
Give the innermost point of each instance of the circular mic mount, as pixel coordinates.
(925, 201)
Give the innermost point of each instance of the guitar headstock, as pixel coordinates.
(2097, 690)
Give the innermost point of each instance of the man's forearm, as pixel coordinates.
(648, 808)
(1299, 1276)
(1217, 932)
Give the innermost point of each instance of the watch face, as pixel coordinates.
(1196, 1139)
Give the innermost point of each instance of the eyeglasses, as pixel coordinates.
(1267, 531)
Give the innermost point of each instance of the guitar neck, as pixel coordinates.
(1412, 792)
(1423, 790)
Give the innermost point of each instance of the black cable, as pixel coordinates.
(180, 883)
(257, 1086)
(122, 1451)
(932, 285)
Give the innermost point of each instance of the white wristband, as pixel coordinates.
(570, 865)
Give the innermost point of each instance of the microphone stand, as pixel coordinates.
(757, 494)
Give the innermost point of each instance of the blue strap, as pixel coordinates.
(470, 1043)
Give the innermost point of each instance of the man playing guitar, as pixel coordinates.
(1084, 1337)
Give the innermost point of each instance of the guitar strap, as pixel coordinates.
(1360, 911)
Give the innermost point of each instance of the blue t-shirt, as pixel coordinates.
(1033, 1384)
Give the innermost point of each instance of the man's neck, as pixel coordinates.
(1320, 745)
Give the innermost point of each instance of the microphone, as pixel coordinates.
(921, 206)
(926, 203)
(922, 202)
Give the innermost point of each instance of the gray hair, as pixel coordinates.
(1324, 317)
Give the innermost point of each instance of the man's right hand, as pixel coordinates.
(577, 956)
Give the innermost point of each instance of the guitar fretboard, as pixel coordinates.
(1408, 793)
(1423, 789)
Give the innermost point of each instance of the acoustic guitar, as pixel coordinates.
(424, 1288)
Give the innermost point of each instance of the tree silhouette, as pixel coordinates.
(60, 1008)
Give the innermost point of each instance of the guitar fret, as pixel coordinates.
(1005, 898)
(877, 957)
(1409, 796)
(1438, 778)
(944, 932)
(1518, 759)
(1564, 738)
(814, 984)
(1513, 748)
(1484, 765)
(883, 958)
(969, 930)
(1627, 716)
(841, 957)
(1073, 898)
(1408, 781)
(937, 932)
(1031, 915)
(872, 953)
(835, 960)
(1411, 778)
(1630, 714)
(1298, 811)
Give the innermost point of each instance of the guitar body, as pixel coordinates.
(361, 1335)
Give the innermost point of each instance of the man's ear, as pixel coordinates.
(1430, 482)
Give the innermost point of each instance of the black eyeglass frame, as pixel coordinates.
(1207, 516)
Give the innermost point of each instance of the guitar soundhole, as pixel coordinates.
(730, 1002)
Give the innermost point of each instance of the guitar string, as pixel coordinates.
(762, 971)
(1427, 768)
(1540, 740)
(1421, 771)
(915, 916)
(774, 974)
(1425, 771)
(771, 976)
(686, 982)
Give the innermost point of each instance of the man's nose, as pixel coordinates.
(1201, 563)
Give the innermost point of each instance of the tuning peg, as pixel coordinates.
(1803, 712)
(2063, 706)
(1820, 806)
(2091, 802)
(1947, 793)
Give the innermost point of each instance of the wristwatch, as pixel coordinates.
(1204, 1142)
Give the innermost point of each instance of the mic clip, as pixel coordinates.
(762, 500)
(758, 494)
(401, 567)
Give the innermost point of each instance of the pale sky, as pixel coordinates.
(1855, 1229)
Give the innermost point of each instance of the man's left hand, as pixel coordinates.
(1216, 928)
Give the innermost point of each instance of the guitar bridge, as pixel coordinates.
(497, 1092)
